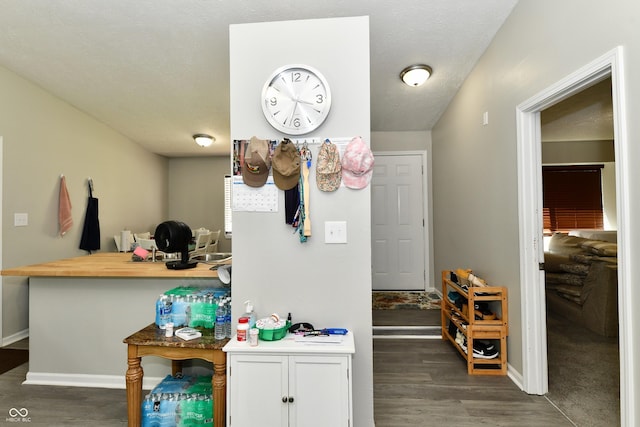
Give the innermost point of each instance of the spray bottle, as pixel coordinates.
(250, 314)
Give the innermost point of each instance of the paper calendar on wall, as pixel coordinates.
(254, 199)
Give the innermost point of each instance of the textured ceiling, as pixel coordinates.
(157, 71)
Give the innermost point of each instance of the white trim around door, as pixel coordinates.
(533, 306)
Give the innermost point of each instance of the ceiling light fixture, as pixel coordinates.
(415, 75)
(203, 140)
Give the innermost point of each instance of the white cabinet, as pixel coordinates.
(289, 384)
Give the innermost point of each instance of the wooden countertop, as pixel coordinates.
(109, 264)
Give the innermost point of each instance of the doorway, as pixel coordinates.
(399, 253)
(579, 193)
(535, 378)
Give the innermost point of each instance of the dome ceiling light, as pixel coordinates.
(203, 140)
(415, 75)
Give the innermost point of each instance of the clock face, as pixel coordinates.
(296, 99)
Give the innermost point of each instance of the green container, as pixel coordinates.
(273, 334)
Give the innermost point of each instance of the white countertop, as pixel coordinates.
(289, 345)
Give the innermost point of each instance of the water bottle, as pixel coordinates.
(219, 329)
(227, 324)
(163, 311)
(210, 312)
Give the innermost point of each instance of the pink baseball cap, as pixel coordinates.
(357, 164)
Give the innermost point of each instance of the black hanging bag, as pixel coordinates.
(90, 240)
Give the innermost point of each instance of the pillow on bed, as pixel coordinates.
(601, 248)
(559, 263)
(564, 278)
(553, 262)
(562, 243)
(575, 268)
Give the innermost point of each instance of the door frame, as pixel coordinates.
(1, 233)
(533, 305)
(427, 237)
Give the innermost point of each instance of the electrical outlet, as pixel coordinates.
(20, 219)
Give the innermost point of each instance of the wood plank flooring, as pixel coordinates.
(416, 383)
(425, 383)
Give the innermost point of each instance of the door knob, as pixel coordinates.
(290, 399)
(284, 399)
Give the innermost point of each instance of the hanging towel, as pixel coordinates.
(64, 208)
(90, 240)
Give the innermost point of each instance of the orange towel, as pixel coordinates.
(64, 208)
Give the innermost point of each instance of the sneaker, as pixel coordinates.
(482, 312)
(484, 350)
(481, 350)
(454, 297)
(452, 328)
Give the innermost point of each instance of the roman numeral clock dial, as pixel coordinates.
(296, 99)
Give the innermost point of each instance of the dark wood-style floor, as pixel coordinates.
(416, 383)
(425, 383)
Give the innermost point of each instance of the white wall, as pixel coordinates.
(43, 138)
(475, 176)
(401, 141)
(319, 283)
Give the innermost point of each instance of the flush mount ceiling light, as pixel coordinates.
(415, 75)
(203, 140)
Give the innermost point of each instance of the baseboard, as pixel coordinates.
(84, 380)
(15, 337)
(515, 376)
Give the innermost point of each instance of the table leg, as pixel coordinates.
(176, 366)
(219, 384)
(134, 385)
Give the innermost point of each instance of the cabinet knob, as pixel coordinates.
(284, 399)
(290, 399)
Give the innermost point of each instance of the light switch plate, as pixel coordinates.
(20, 219)
(335, 232)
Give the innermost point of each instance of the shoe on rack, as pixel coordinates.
(484, 350)
(481, 350)
(452, 328)
(482, 312)
(454, 298)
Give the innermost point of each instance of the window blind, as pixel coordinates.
(572, 197)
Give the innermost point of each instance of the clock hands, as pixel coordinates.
(296, 100)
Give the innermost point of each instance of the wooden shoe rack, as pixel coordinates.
(474, 327)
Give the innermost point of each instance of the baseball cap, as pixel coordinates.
(357, 164)
(286, 165)
(328, 167)
(257, 161)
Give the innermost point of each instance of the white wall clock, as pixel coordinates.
(296, 99)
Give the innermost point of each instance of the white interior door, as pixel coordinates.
(398, 223)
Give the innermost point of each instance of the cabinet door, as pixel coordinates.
(319, 386)
(256, 387)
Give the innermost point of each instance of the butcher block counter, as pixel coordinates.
(110, 264)
(80, 309)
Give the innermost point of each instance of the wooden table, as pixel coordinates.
(150, 341)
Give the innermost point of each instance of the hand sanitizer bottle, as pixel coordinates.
(250, 314)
